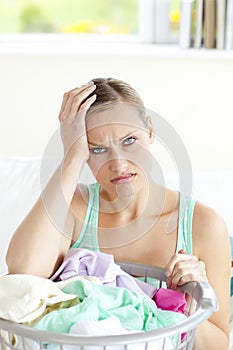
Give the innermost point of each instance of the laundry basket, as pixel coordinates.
(201, 303)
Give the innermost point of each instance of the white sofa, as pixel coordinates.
(20, 187)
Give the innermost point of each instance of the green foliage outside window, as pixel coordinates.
(61, 16)
(77, 16)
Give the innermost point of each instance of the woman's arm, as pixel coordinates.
(212, 245)
(44, 237)
(211, 262)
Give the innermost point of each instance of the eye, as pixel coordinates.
(98, 149)
(129, 141)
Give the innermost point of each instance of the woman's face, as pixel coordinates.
(119, 148)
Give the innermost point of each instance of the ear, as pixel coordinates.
(150, 129)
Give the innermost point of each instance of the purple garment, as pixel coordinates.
(84, 262)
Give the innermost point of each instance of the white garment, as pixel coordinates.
(92, 279)
(110, 326)
(23, 298)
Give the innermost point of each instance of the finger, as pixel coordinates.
(80, 98)
(86, 105)
(174, 259)
(192, 276)
(182, 267)
(82, 114)
(182, 251)
(66, 103)
(187, 271)
(75, 99)
(66, 95)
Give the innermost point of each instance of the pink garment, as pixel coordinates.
(168, 299)
(172, 300)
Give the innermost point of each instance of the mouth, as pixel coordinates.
(123, 178)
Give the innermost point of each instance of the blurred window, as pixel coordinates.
(131, 20)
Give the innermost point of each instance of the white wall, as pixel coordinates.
(193, 94)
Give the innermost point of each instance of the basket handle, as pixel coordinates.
(208, 297)
(203, 293)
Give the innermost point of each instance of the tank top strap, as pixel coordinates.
(186, 209)
(88, 237)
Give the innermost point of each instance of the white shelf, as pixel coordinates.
(117, 49)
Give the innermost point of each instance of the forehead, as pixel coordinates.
(121, 116)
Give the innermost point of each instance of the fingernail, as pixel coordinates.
(90, 82)
(167, 273)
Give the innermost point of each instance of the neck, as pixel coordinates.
(128, 205)
(126, 200)
(128, 224)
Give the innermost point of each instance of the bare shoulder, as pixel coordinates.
(207, 220)
(209, 228)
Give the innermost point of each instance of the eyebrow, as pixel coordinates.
(129, 134)
(122, 138)
(95, 144)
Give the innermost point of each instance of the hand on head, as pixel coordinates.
(72, 118)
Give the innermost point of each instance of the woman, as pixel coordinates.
(125, 213)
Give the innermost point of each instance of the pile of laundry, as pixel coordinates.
(89, 295)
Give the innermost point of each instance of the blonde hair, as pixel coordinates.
(110, 91)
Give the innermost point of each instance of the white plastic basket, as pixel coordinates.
(201, 304)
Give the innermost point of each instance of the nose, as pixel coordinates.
(118, 165)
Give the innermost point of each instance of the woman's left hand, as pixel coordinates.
(183, 268)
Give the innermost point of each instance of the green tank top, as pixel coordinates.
(88, 237)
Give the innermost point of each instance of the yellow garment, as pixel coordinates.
(24, 298)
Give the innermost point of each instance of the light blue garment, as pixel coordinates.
(135, 311)
(186, 210)
(88, 237)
